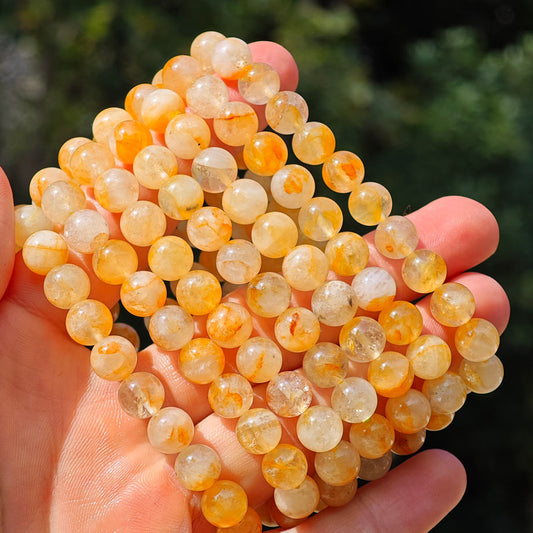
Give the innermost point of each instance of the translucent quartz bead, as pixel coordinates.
(170, 430)
(238, 261)
(209, 228)
(430, 356)
(372, 469)
(372, 438)
(66, 285)
(170, 257)
(105, 122)
(374, 288)
(354, 399)
(42, 179)
(229, 324)
(258, 83)
(440, 421)
(244, 201)
(159, 107)
(286, 112)
(259, 359)
(423, 271)
(113, 358)
(60, 200)
(230, 57)
(258, 430)
(313, 143)
(66, 151)
(289, 394)
(199, 292)
(44, 250)
(265, 153)
(180, 197)
(336, 496)
(197, 467)
(342, 171)
(116, 189)
(408, 413)
(29, 219)
(230, 395)
(201, 360)
(180, 72)
(452, 304)
(171, 327)
(85, 231)
(369, 203)
(297, 329)
(409, 443)
(292, 186)
(90, 160)
(274, 234)
(141, 395)
(251, 523)
(401, 321)
(338, 466)
(187, 135)
(347, 253)
(305, 267)
(143, 293)
(446, 394)
(391, 374)
(89, 321)
(477, 340)
(224, 504)
(127, 331)
(202, 48)
(396, 237)
(135, 98)
(284, 467)
(325, 364)
(300, 501)
(363, 339)
(319, 428)
(128, 139)
(236, 124)
(115, 261)
(154, 165)
(207, 96)
(142, 223)
(320, 218)
(334, 303)
(214, 169)
(482, 377)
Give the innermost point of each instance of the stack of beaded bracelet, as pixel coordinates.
(227, 211)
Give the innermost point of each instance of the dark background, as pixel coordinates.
(436, 98)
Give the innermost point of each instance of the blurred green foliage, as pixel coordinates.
(437, 98)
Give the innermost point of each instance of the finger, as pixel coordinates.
(7, 232)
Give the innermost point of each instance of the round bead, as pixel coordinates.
(180, 197)
(338, 466)
(42, 179)
(143, 293)
(292, 186)
(170, 257)
(258, 83)
(446, 394)
(202, 48)
(142, 223)
(374, 288)
(187, 135)
(66, 151)
(286, 112)
(238, 261)
(224, 504)
(477, 340)
(430, 356)
(154, 165)
(482, 377)
(170, 430)
(116, 189)
(209, 228)
(259, 359)
(265, 153)
(179, 72)
(300, 501)
(229, 324)
(336, 496)
(105, 121)
(244, 201)
(354, 399)
(320, 218)
(251, 523)
(230, 57)
(258, 431)
(159, 107)
(369, 203)
(319, 428)
(128, 139)
(197, 467)
(29, 219)
(115, 261)
(236, 124)
(325, 364)
(284, 467)
(363, 339)
(297, 329)
(230, 395)
(305, 267)
(201, 360)
(396, 237)
(199, 292)
(401, 321)
(334, 303)
(268, 294)
(409, 443)
(89, 321)
(61, 199)
(347, 253)
(313, 143)
(171, 327)
(214, 169)
(452, 304)
(135, 98)
(423, 271)
(372, 438)
(141, 395)
(44, 250)
(440, 421)
(274, 234)
(207, 96)
(372, 469)
(89, 160)
(342, 171)
(390, 374)
(408, 413)
(121, 329)
(113, 358)
(289, 394)
(85, 231)
(66, 285)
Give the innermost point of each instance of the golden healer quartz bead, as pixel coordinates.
(338, 466)
(319, 428)
(61, 199)
(44, 250)
(66, 285)
(258, 430)
(28, 220)
(363, 339)
(143, 293)
(369, 203)
(230, 395)
(284, 467)
(229, 325)
(288, 394)
(197, 467)
(373, 437)
(423, 271)
(342, 171)
(265, 153)
(113, 358)
(286, 112)
(141, 395)
(115, 261)
(170, 430)
(201, 360)
(224, 504)
(452, 304)
(477, 340)
(298, 502)
(325, 364)
(259, 359)
(42, 179)
(116, 189)
(292, 186)
(89, 321)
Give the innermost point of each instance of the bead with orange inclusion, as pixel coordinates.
(207, 96)
(319, 428)
(286, 112)
(170, 257)
(334, 303)
(230, 58)
(482, 377)
(292, 186)
(338, 466)
(300, 501)
(170, 430)
(369, 203)
(180, 197)
(423, 271)
(135, 98)
(374, 288)
(42, 178)
(259, 359)
(197, 467)
(201, 360)
(90, 160)
(198, 292)
(347, 253)
(61, 199)
(452, 304)
(258, 430)
(274, 234)
(439, 421)
(238, 261)
(202, 48)
(372, 469)
(142, 223)
(354, 399)
(224, 504)
(105, 122)
(430, 356)
(209, 228)
(251, 523)
(116, 189)
(391, 374)
(297, 329)
(113, 358)
(66, 285)
(171, 327)
(288, 394)
(128, 138)
(244, 201)
(305, 267)
(85, 231)
(89, 321)
(159, 107)
(229, 324)
(477, 340)
(336, 496)
(372, 438)
(313, 143)
(325, 364)
(230, 395)
(320, 218)
(143, 293)
(408, 443)
(44, 250)
(401, 321)
(236, 124)
(285, 467)
(362, 338)
(141, 395)
(259, 83)
(342, 171)
(265, 153)
(179, 72)
(214, 169)
(187, 135)
(396, 237)
(154, 165)
(446, 394)
(66, 151)
(115, 261)
(28, 220)
(408, 413)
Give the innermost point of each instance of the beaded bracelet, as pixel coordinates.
(227, 212)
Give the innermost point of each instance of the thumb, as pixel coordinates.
(7, 232)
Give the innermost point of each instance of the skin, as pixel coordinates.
(73, 461)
